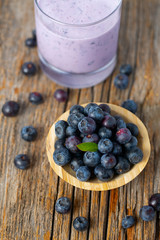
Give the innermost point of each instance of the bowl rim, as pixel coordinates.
(120, 180)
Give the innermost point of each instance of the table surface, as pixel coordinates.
(27, 198)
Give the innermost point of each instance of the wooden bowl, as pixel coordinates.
(68, 175)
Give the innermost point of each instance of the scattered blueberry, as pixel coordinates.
(117, 149)
(132, 143)
(154, 201)
(34, 34)
(35, 98)
(103, 174)
(71, 143)
(63, 205)
(128, 222)
(59, 143)
(70, 131)
(108, 161)
(76, 163)
(133, 129)
(80, 224)
(29, 69)
(91, 159)
(120, 124)
(83, 173)
(60, 128)
(121, 81)
(123, 136)
(30, 42)
(147, 213)
(109, 122)
(122, 166)
(91, 138)
(105, 108)
(87, 125)
(62, 156)
(29, 133)
(74, 119)
(86, 109)
(126, 69)
(135, 155)
(104, 132)
(105, 145)
(130, 105)
(96, 113)
(77, 109)
(60, 95)
(10, 109)
(22, 161)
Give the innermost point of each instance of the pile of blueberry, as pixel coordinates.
(108, 144)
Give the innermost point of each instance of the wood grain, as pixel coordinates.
(27, 198)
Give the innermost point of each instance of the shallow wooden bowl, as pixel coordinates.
(67, 174)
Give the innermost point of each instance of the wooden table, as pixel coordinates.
(27, 198)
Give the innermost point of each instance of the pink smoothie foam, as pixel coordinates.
(70, 40)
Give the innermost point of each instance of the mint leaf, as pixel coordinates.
(88, 147)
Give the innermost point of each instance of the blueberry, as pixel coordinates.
(30, 42)
(128, 222)
(63, 205)
(126, 69)
(135, 155)
(123, 136)
(154, 201)
(132, 143)
(60, 95)
(104, 132)
(83, 173)
(122, 166)
(80, 224)
(71, 143)
(96, 113)
(70, 131)
(109, 122)
(10, 109)
(121, 81)
(29, 69)
(118, 117)
(117, 149)
(60, 128)
(105, 145)
(91, 159)
(130, 105)
(74, 119)
(29, 133)
(147, 213)
(103, 174)
(61, 156)
(35, 98)
(77, 109)
(59, 143)
(120, 124)
(22, 161)
(91, 138)
(86, 109)
(105, 108)
(133, 129)
(76, 163)
(108, 161)
(87, 126)
(34, 35)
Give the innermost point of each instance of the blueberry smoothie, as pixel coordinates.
(77, 40)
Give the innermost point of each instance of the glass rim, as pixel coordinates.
(79, 25)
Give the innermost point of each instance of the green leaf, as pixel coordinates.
(88, 147)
